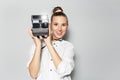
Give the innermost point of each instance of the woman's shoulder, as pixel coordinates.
(67, 43)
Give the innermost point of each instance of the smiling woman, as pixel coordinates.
(59, 24)
(59, 27)
(52, 59)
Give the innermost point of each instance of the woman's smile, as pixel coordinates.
(59, 27)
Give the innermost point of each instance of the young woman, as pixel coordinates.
(53, 58)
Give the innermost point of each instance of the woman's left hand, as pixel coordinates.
(48, 40)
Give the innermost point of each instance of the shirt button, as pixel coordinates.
(51, 59)
(53, 43)
(50, 69)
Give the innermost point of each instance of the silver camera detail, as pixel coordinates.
(40, 25)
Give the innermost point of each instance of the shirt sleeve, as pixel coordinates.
(67, 64)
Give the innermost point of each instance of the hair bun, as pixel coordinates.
(57, 9)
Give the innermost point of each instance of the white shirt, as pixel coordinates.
(47, 68)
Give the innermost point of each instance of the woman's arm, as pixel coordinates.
(54, 55)
(64, 64)
(34, 65)
(67, 64)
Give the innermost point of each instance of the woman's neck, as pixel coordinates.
(55, 39)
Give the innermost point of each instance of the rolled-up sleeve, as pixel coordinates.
(66, 66)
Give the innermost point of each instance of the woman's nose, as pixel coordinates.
(59, 28)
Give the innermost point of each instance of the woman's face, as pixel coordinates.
(59, 26)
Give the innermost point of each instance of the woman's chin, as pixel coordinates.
(58, 37)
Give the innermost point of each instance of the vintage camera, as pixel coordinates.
(40, 25)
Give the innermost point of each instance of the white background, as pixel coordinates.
(94, 30)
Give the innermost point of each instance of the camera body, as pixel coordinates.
(40, 25)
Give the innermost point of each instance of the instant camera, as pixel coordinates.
(40, 25)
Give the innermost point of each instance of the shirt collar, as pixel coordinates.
(58, 39)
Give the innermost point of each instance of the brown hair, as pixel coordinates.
(58, 13)
(57, 8)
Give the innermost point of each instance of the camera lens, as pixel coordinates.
(36, 25)
(45, 25)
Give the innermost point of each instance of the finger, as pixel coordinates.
(30, 32)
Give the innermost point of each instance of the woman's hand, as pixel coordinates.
(48, 40)
(36, 40)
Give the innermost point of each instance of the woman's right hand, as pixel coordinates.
(36, 40)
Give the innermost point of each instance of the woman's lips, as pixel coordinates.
(59, 33)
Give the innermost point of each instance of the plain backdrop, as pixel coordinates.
(94, 30)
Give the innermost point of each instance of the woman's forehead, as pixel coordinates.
(59, 19)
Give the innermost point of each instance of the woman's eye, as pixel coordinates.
(55, 24)
(63, 24)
